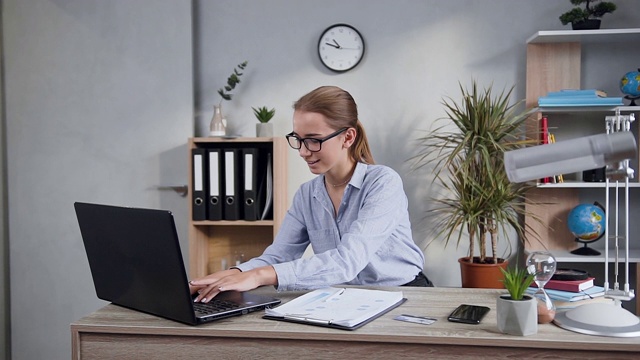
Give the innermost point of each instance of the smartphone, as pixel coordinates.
(468, 314)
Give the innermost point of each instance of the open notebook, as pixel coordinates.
(135, 260)
(341, 308)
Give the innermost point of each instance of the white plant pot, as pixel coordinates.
(517, 317)
(264, 130)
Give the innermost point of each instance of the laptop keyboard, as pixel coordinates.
(214, 306)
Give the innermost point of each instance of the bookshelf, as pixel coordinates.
(216, 244)
(554, 60)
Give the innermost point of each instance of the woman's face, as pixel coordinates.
(333, 151)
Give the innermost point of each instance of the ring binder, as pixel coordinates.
(198, 204)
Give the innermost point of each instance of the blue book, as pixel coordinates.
(592, 292)
(577, 92)
(579, 101)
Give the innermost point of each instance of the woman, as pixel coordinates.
(354, 214)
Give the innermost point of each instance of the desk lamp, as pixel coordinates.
(613, 150)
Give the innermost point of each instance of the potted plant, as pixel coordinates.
(218, 126)
(263, 114)
(516, 312)
(588, 17)
(479, 202)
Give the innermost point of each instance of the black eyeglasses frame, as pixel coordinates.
(319, 141)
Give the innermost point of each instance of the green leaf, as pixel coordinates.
(232, 81)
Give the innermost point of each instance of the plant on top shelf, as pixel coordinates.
(232, 81)
(516, 280)
(465, 156)
(589, 16)
(263, 114)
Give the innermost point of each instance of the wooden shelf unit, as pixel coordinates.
(554, 63)
(214, 243)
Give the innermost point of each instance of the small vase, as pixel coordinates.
(264, 130)
(218, 125)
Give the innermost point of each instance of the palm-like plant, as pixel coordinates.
(469, 164)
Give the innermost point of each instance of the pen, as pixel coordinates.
(335, 295)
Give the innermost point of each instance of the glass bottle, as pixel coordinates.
(218, 125)
(542, 265)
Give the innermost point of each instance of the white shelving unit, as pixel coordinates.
(554, 62)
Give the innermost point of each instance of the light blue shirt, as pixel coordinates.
(369, 242)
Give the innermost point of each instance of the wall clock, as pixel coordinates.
(341, 47)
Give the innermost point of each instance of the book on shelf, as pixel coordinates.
(340, 308)
(592, 292)
(544, 139)
(569, 285)
(560, 101)
(577, 92)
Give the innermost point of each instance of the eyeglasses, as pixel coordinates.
(313, 145)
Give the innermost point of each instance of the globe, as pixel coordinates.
(630, 84)
(587, 223)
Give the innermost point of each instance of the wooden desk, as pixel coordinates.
(118, 333)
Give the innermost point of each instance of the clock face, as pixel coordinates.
(341, 47)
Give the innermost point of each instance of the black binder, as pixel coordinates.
(216, 181)
(251, 181)
(232, 197)
(199, 180)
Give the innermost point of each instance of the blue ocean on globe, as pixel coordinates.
(586, 222)
(630, 83)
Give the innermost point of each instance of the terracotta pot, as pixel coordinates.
(487, 276)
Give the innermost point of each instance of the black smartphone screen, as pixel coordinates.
(468, 314)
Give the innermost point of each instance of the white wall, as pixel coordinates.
(416, 53)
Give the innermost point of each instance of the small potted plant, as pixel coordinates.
(218, 126)
(263, 114)
(587, 18)
(517, 313)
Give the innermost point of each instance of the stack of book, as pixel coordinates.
(570, 97)
(567, 294)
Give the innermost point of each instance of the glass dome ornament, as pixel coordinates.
(542, 265)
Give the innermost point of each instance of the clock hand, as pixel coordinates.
(337, 47)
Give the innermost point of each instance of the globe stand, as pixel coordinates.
(633, 99)
(585, 250)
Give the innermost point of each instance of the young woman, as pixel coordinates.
(354, 214)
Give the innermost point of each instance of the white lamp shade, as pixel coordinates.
(585, 153)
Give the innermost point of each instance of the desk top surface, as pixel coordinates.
(432, 302)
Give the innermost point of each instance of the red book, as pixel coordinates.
(569, 285)
(544, 139)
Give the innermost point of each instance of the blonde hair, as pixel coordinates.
(341, 111)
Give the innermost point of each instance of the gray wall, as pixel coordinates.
(99, 105)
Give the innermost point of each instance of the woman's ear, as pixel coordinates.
(349, 137)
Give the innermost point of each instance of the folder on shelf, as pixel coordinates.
(198, 193)
(267, 205)
(214, 202)
(232, 198)
(250, 163)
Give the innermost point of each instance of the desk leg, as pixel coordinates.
(637, 265)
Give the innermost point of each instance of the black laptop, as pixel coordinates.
(135, 260)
